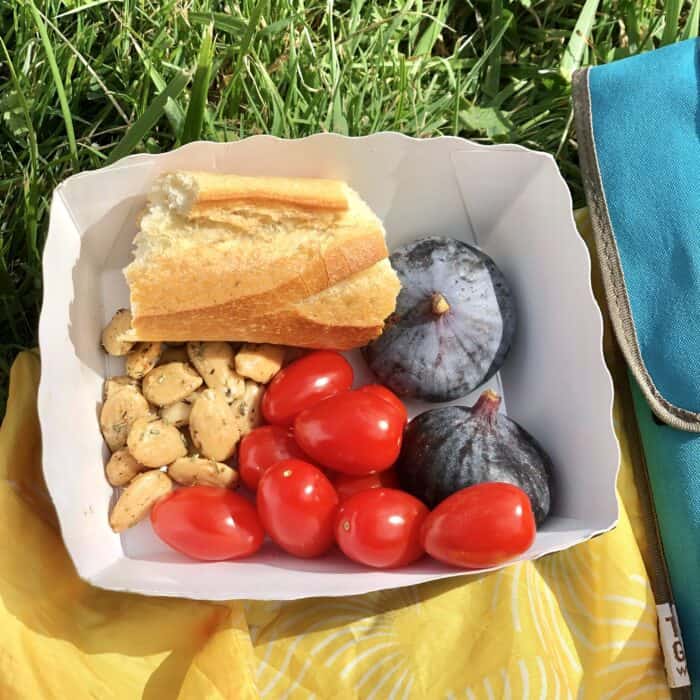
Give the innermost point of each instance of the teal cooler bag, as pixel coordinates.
(638, 126)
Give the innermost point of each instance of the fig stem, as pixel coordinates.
(439, 304)
(487, 405)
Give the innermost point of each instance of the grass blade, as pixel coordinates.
(89, 69)
(280, 25)
(430, 35)
(672, 13)
(60, 89)
(336, 118)
(194, 118)
(221, 22)
(31, 134)
(136, 132)
(493, 67)
(573, 53)
(690, 30)
(242, 51)
(82, 8)
(173, 110)
(475, 70)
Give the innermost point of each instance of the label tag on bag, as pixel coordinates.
(672, 646)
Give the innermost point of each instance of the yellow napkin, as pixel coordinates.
(580, 623)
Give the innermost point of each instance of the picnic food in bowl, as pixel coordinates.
(510, 204)
(186, 422)
(453, 325)
(288, 261)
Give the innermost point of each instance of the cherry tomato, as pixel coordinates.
(354, 432)
(304, 383)
(347, 486)
(208, 523)
(383, 393)
(381, 528)
(480, 526)
(297, 505)
(262, 448)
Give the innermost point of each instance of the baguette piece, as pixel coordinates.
(293, 261)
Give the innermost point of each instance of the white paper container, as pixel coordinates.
(511, 201)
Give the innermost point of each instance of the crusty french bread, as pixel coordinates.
(296, 261)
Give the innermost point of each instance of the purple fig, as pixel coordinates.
(453, 325)
(447, 449)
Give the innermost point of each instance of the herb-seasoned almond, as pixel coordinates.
(142, 359)
(215, 362)
(112, 384)
(260, 362)
(138, 498)
(119, 412)
(120, 324)
(155, 443)
(189, 471)
(122, 468)
(177, 414)
(246, 410)
(213, 428)
(169, 383)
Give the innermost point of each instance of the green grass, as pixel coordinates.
(83, 82)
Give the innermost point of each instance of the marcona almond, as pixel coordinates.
(112, 384)
(155, 443)
(260, 362)
(189, 471)
(120, 324)
(138, 498)
(122, 468)
(142, 359)
(166, 384)
(215, 362)
(213, 428)
(119, 412)
(247, 411)
(177, 414)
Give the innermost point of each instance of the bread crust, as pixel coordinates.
(286, 328)
(306, 192)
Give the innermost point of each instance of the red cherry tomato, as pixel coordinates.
(347, 486)
(262, 448)
(297, 505)
(304, 383)
(480, 526)
(383, 393)
(208, 523)
(354, 432)
(381, 528)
